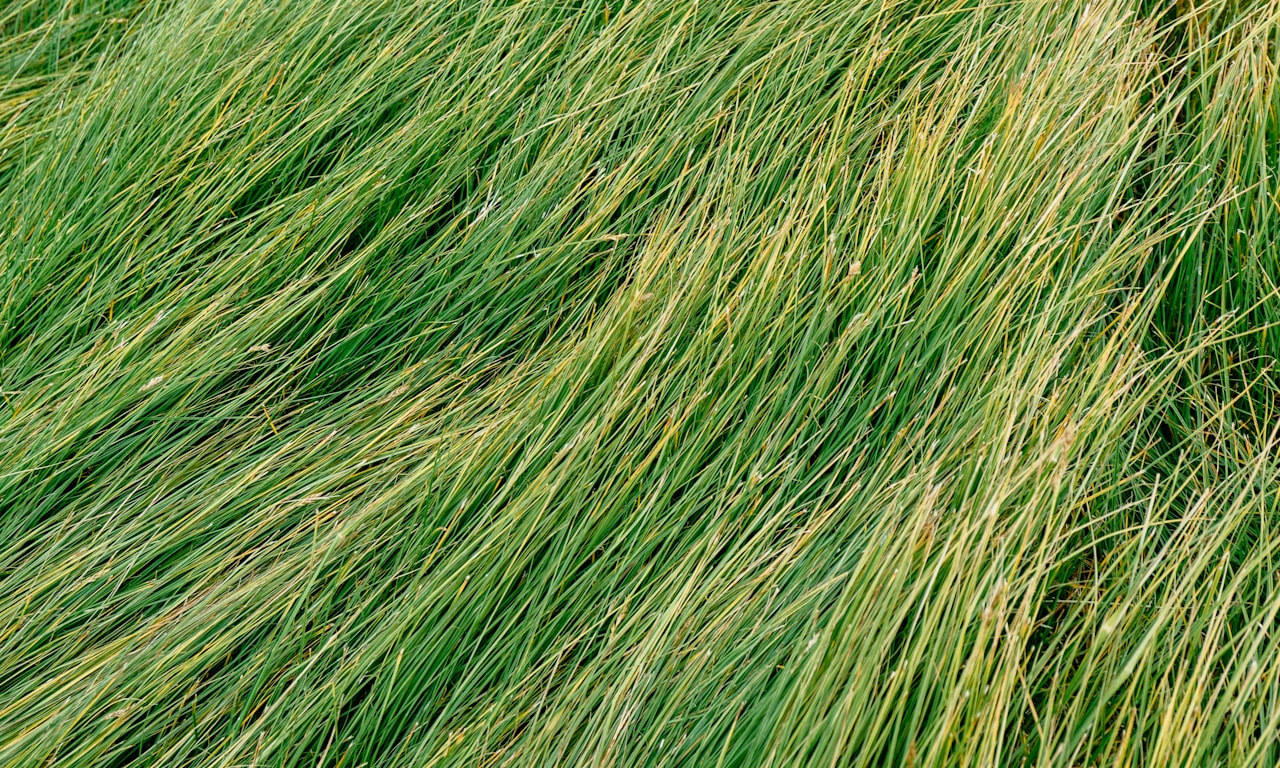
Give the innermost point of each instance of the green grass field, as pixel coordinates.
(414, 383)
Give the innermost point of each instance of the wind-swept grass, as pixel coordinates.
(789, 383)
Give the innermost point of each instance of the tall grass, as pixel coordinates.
(639, 382)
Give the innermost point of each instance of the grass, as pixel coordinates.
(639, 382)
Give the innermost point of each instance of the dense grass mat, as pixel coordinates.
(421, 383)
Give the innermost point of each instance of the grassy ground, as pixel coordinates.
(639, 382)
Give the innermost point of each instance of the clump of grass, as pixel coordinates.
(639, 383)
